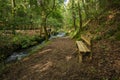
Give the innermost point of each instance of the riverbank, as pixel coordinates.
(43, 62)
(58, 60)
(16, 58)
(21, 53)
(11, 44)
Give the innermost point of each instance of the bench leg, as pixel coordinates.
(90, 56)
(80, 58)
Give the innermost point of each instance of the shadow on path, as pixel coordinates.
(50, 63)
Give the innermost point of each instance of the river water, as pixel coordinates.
(18, 55)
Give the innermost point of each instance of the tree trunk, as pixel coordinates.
(80, 17)
(74, 15)
(13, 13)
(74, 20)
(86, 12)
(45, 28)
(41, 30)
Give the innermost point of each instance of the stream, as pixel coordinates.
(18, 55)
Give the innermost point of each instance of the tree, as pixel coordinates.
(13, 15)
(46, 8)
(80, 17)
(74, 14)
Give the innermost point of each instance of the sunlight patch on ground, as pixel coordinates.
(45, 51)
(25, 59)
(68, 58)
(42, 67)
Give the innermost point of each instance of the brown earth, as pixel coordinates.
(58, 61)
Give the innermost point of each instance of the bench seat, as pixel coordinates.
(82, 47)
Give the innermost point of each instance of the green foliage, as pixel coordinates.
(5, 46)
(25, 12)
(38, 48)
(114, 4)
(25, 41)
(9, 44)
(118, 27)
(117, 36)
(54, 22)
(98, 38)
(2, 67)
(110, 33)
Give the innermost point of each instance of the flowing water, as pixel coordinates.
(18, 55)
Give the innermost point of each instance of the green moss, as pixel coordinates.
(38, 48)
(26, 41)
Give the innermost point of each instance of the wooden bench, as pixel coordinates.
(85, 46)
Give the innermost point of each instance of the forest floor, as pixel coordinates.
(58, 61)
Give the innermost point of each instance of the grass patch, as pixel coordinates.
(39, 47)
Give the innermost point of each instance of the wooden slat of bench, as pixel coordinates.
(86, 40)
(82, 47)
(85, 47)
(79, 46)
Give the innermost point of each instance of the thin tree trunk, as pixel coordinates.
(85, 9)
(80, 17)
(41, 30)
(13, 13)
(74, 20)
(45, 28)
(45, 16)
(73, 15)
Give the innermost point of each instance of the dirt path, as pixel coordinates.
(58, 61)
(50, 63)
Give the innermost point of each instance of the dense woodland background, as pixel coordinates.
(25, 23)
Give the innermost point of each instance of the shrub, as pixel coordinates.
(24, 41)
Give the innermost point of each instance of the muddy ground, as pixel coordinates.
(59, 61)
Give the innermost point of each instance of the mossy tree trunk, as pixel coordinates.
(13, 16)
(80, 17)
(45, 28)
(85, 9)
(73, 14)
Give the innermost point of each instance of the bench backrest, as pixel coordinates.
(87, 38)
